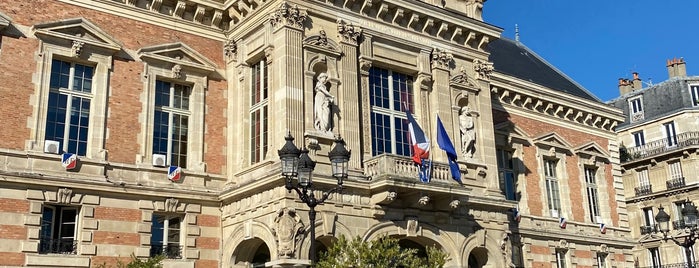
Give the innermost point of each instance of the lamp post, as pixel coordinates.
(689, 222)
(297, 165)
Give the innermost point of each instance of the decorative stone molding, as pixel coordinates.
(424, 200)
(562, 245)
(287, 230)
(441, 59)
(425, 81)
(64, 195)
(77, 48)
(454, 204)
(364, 65)
(176, 71)
(412, 226)
(230, 49)
(483, 69)
(171, 204)
(348, 33)
(320, 40)
(462, 80)
(268, 55)
(286, 15)
(384, 198)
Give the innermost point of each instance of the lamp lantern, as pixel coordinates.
(339, 159)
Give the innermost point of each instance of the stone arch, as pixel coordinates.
(485, 249)
(426, 235)
(462, 99)
(240, 248)
(339, 230)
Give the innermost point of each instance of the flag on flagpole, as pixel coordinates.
(69, 161)
(518, 215)
(562, 223)
(418, 140)
(602, 228)
(445, 144)
(174, 173)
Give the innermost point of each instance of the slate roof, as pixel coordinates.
(515, 59)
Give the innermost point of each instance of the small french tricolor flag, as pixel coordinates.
(174, 173)
(602, 228)
(562, 223)
(69, 161)
(518, 215)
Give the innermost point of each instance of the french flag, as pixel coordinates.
(421, 146)
(562, 223)
(518, 215)
(174, 173)
(603, 228)
(69, 161)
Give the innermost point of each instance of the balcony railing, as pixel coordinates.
(678, 224)
(675, 183)
(643, 190)
(657, 147)
(169, 251)
(647, 229)
(402, 166)
(675, 265)
(58, 246)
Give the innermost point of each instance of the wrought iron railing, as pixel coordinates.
(169, 251)
(675, 265)
(675, 183)
(678, 224)
(647, 229)
(643, 190)
(59, 246)
(665, 145)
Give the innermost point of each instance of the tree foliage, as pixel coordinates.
(381, 253)
(152, 262)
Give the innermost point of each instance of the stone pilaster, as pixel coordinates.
(440, 99)
(349, 126)
(365, 62)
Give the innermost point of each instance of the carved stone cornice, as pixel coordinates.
(289, 16)
(483, 69)
(348, 33)
(441, 59)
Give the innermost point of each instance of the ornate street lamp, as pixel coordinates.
(689, 221)
(297, 164)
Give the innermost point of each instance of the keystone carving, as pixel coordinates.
(64, 195)
(348, 33)
(77, 48)
(230, 48)
(424, 200)
(287, 230)
(286, 15)
(412, 226)
(176, 71)
(441, 59)
(483, 69)
(171, 204)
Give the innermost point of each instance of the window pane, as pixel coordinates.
(160, 132)
(156, 229)
(162, 93)
(56, 116)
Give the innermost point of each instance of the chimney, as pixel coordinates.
(624, 86)
(676, 68)
(636, 82)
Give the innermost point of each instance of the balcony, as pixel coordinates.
(675, 265)
(675, 183)
(647, 229)
(58, 246)
(643, 190)
(662, 146)
(169, 251)
(400, 166)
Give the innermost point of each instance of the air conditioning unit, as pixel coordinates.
(598, 219)
(52, 147)
(554, 213)
(159, 160)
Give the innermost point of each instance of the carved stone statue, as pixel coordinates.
(322, 106)
(468, 132)
(506, 247)
(287, 229)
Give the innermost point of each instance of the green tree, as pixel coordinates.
(152, 262)
(384, 252)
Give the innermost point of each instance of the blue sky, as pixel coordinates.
(599, 41)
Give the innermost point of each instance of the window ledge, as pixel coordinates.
(58, 260)
(170, 263)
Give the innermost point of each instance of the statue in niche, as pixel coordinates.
(322, 106)
(468, 132)
(506, 247)
(287, 230)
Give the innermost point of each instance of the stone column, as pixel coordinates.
(441, 99)
(349, 126)
(365, 61)
(286, 95)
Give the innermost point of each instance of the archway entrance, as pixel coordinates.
(478, 258)
(251, 253)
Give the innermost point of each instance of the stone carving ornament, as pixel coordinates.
(64, 195)
(468, 132)
(506, 247)
(230, 48)
(348, 33)
(77, 48)
(441, 59)
(322, 106)
(289, 16)
(287, 230)
(483, 69)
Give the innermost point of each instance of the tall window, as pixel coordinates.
(643, 178)
(165, 236)
(636, 109)
(670, 134)
(561, 258)
(171, 123)
(68, 115)
(592, 198)
(654, 254)
(648, 216)
(258, 111)
(601, 260)
(694, 91)
(389, 93)
(506, 173)
(58, 228)
(675, 169)
(552, 192)
(638, 138)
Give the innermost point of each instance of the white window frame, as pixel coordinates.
(670, 133)
(57, 218)
(504, 157)
(655, 260)
(694, 94)
(601, 260)
(675, 170)
(171, 111)
(392, 112)
(553, 190)
(643, 179)
(262, 107)
(648, 216)
(195, 73)
(592, 191)
(639, 138)
(96, 52)
(166, 229)
(636, 108)
(561, 258)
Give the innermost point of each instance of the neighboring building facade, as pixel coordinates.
(659, 167)
(133, 88)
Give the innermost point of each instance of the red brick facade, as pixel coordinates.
(117, 214)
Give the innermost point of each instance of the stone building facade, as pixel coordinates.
(659, 135)
(150, 127)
